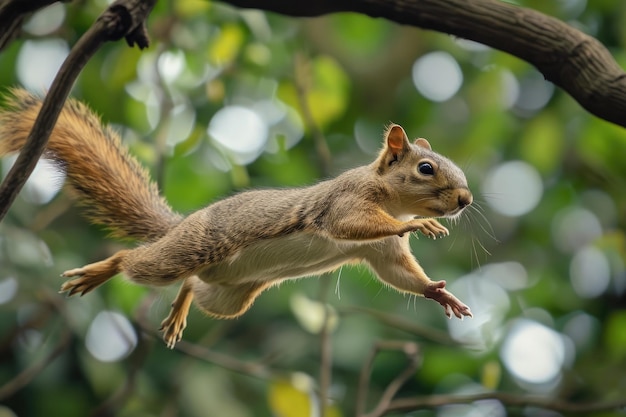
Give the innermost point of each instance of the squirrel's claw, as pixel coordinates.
(73, 288)
(172, 328)
(91, 276)
(431, 228)
(176, 321)
(81, 285)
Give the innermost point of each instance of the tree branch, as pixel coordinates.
(430, 334)
(12, 15)
(411, 350)
(28, 374)
(387, 404)
(572, 60)
(302, 75)
(124, 18)
(257, 370)
(509, 400)
(326, 351)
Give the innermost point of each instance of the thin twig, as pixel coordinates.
(302, 75)
(507, 399)
(117, 400)
(119, 20)
(364, 379)
(411, 350)
(427, 333)
(165, 110)
(28, 374)
(254, 369)
(326, 352)
(35, 320)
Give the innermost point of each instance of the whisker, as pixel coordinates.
(452, 243)
(483, 247)
(475, 252)
(492, 196)
(337, 288)
(419, 200)
(489, 232)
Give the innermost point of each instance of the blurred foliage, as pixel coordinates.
(344, 75)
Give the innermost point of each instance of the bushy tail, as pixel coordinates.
(110, 183)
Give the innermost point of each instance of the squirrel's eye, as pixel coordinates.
(426, 168)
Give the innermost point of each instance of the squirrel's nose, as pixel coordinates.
(465, 199)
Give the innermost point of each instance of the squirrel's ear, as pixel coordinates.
(423, 143)
(396, 140)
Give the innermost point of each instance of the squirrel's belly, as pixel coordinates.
(293, 256)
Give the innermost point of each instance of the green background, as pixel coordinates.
(354, 74)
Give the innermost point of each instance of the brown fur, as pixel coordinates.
(229, 252)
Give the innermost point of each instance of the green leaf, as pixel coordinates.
(615, 336)
(191, 8)
(227, 45)
(542, 142)
(311, 314)
(286, 400)
(326, 94)
(295, 397)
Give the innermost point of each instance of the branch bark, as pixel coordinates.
(124, 18)
(569, 58)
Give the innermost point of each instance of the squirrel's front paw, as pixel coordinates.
(430, 228)
(436, 290)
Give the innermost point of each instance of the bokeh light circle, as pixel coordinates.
(110, 337)
(241, 131)
(513, 188)
(437, 76)
(533, 353)
(590, 272)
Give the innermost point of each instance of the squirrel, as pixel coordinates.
(229, 252)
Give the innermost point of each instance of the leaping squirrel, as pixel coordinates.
(229, 252)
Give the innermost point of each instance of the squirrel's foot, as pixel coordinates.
(430, 228)
(92, 275)
(174, 324)
(436, 290)
(87, 281)
(172, 327)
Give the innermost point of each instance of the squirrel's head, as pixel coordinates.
(427, 184)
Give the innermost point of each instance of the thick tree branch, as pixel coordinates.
(12, 15)
(572, 60)
(124, 18)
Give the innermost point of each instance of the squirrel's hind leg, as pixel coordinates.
(92, 275)
(221, 301)
(226, 301)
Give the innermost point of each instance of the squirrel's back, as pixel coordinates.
(113, 186)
